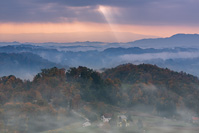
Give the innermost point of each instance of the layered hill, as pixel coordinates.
(179, 52)
(23, 65)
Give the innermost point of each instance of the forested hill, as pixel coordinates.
(129, 73)
(54, 92)
(150, 82)
(180, 84)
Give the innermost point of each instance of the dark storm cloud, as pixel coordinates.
(169, 12)
(146, 12)
(35, 11)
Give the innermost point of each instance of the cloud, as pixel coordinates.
(80, 3)
(144, 12)
(35, 11)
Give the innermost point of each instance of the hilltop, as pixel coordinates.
(183, 40)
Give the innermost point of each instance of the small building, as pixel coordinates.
(122, 117)
(86, 124)
(104, 119)
(105, 122)
(122, 122)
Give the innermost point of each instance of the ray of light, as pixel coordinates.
(108, 15)
(111, 15)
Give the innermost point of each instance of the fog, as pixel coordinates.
(163, 56)
(22, 116)
(56, 104)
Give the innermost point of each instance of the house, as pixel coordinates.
(122, 121)
(104, 119)
(122, 117)
(86, 124)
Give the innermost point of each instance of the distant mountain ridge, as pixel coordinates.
(179, 38)
(175, 40)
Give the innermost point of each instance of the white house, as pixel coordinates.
(86, 124)
(105, 119)
(122, 120)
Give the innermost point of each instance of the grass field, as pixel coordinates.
(151, 124)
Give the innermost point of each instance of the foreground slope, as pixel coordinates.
(56, 99)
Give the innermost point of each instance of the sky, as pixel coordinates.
(95, 20)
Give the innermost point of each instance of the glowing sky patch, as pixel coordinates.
(18, 28)
(68, 32)
(115, 19)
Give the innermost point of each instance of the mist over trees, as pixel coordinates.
(179, 53)
(36, 96)
(47, 102)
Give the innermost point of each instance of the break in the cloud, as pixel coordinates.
(145, 12)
